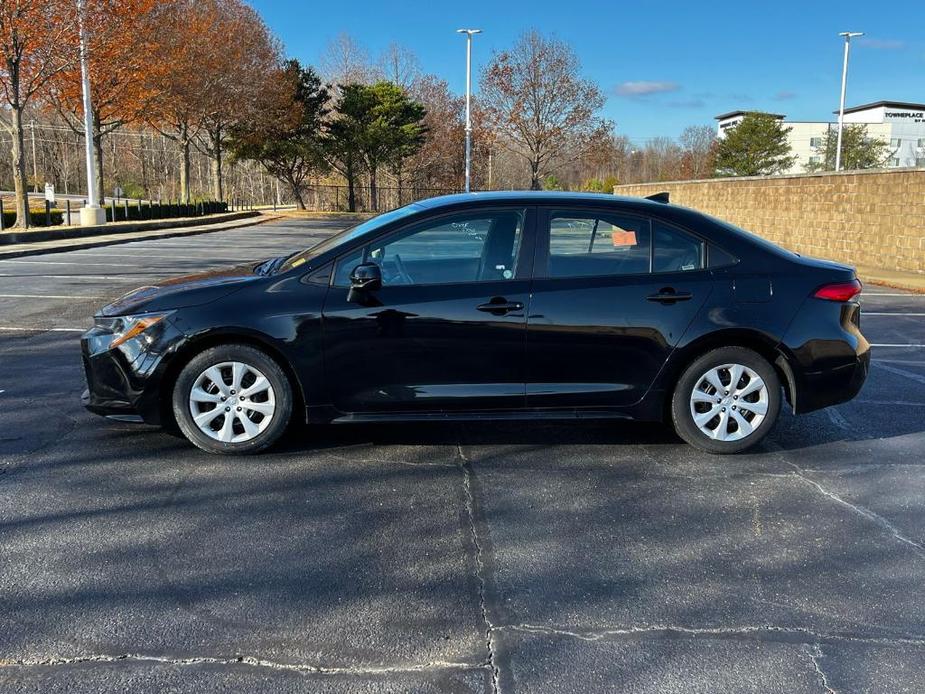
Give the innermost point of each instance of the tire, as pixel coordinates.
(733, 427)
(252, 404)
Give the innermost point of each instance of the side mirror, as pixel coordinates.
(366, 277)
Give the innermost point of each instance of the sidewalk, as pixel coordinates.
(126, 232)
(911, 281)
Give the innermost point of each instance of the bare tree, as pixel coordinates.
(399, 65)
(698, 143)
(345, 62)
(535, 98)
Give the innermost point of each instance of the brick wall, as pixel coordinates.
(870, 218)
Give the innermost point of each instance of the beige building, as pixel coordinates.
(901, 124)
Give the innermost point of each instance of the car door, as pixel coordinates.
(446, 331)
(613, 294)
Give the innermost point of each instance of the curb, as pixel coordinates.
(42, 248)
(9, 238)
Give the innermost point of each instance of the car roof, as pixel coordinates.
(536, 197)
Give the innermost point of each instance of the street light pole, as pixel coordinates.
(844, 83)
(91, 214)
(468, 33)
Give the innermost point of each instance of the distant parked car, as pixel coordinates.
(490, 306)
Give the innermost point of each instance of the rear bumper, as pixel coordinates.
(832, 386)
(829, 359)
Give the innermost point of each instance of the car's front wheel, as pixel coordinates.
(232, 399)
(726, 401)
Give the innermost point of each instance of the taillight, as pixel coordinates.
(839, 291)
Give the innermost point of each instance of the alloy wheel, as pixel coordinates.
(729, 402)
(232, 402)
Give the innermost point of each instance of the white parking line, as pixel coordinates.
(889, 313)
(884, 344)
(911, 375)
(898, 403)
(54, 262)
(14, 329)
(90, 277)
(145, 256)
(49, 296)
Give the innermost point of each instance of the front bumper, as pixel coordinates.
(124, 383)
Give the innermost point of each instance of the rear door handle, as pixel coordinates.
(500, 306)
(669, 296)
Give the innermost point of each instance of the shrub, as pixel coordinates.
(36, 218)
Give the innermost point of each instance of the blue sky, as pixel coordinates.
(662, 65)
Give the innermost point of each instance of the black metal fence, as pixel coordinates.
(67, 212)
(335, 198)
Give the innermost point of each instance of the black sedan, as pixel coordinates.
(490, 306)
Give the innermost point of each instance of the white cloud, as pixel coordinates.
(883, 44)
(646, 88)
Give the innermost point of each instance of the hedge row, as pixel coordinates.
(133, 212)
(37, 218)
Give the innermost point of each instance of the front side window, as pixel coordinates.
(591, 244)
(470, 247)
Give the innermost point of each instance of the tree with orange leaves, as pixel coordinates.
(38, 40)
(120, 39)
(219, 52)
(238, 66)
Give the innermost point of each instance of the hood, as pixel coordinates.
(180, 292)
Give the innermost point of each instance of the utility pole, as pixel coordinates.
(468, 33)
(91, 214)
(848, 35)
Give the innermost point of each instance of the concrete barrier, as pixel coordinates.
(870, 218)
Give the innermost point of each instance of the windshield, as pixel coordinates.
(348, 234)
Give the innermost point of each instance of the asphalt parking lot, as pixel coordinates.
(520, 557)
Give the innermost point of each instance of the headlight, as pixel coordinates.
(124, 328)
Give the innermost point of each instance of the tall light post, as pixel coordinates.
(468, 33)
(91, 214)
(844, 82)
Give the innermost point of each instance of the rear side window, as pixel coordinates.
(675, 250)
(591, 244)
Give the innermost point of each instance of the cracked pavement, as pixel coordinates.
(513, 557)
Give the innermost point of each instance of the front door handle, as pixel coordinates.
(667, 295)
(499, 306)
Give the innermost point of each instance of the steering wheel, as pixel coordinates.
(402, 271)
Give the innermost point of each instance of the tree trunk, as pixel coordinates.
(98, 152)
(19, 169)
(216, 146)
(535, 175)
(184, 164)
(373, 189)
(144, 167)
(296, 190)
(351, 192)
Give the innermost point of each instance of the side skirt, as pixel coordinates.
(510, 415)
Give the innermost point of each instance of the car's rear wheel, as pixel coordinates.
(232, 399)
(726, 401)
